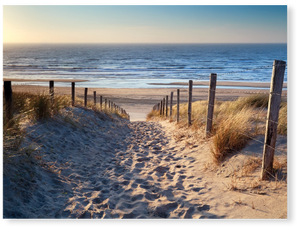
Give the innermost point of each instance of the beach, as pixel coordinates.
(89, 166)
(138, 102)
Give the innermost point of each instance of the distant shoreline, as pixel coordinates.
(224, 83)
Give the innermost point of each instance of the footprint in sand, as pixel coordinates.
(137, 197)
(169, 194)
(151, 196)
(164, 211)
(161, 170)
(140, 165)
(142, 159)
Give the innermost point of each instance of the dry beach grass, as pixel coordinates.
(79, 162)
(235, 122)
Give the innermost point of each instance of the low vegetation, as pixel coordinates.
(37, 107)
(234, 122)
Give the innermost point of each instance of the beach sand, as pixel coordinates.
(90, 166)
(138, 102)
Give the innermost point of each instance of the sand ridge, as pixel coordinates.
(96, 167)
(138, 102)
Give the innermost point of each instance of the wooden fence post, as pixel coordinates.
(73, 94)
(95, 98)
(171, 103)
(272, 118)
(211, 102)
(178, 95)
(190, 103)
(51, 90)
(100, 102)
(8, 102)
(160, 110)
(105, 103)
(167, 100)
(163, 110)
(85, 96)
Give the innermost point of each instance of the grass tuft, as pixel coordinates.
(282, 120)
(38, 106)
(234, 122)
(232, 134)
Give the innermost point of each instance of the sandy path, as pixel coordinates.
(101, 168)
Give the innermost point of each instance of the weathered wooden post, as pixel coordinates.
(73, 94)
(51, 90)
(160, 111)
(167, 100)
(100, 102)
(163, 110)
(178, 95)
(272, 118)
(8, 102)
(105, 103)
(171, 103)
(95, 98)
(211, 102)
(190, 103)
(85, 96)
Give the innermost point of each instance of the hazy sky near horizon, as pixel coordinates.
(145, 24)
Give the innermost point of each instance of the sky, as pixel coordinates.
(144, 24)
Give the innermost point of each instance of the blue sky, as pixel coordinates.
(145, 24)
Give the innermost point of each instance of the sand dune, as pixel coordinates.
(87, 165)
(138, 102)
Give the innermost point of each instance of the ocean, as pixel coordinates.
(140, 65)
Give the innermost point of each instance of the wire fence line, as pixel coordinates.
(252, 138)
(279, 68)
(260, 119)
(111, 105)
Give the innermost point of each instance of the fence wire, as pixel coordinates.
(277, 151)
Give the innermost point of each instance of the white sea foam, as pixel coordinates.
(131, 64)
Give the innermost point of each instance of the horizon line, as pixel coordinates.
(154, 43)
(149, 4)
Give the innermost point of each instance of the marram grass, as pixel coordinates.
(234, 122)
